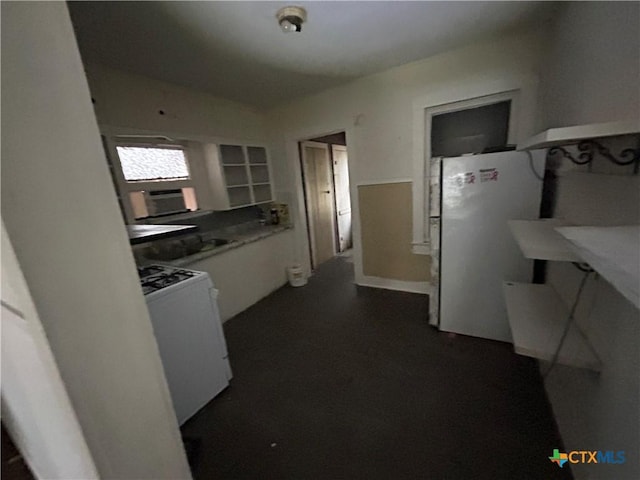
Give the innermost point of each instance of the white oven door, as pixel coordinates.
(183, 319)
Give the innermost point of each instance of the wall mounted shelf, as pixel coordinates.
(537, 315)
(537, 318)
(576, 134)
(614, 252)
(539, 240)
(239, 174)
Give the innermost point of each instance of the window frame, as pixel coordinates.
(483, 101)
(430, 113)
(446, 101)
(150, 183)
(125, 187)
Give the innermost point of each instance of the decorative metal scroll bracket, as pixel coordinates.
(590, 148)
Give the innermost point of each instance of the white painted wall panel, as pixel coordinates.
(36, 409)
(62, 217)
(592, 67)
(591, 76)
(599, 410)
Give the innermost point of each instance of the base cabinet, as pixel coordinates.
(249, 273)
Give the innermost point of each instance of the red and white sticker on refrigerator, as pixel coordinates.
(488, 175)
(463, 179)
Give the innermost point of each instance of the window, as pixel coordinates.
(455, 135)
(153, 179)
(472, 130)
(147, 164)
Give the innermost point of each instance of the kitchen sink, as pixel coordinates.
(220, 241)
(182, 248)
(211, 244)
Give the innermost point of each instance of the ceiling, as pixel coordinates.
(236, 50)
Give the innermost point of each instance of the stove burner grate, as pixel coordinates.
(155, 277)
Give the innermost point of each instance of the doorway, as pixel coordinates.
(325, 180)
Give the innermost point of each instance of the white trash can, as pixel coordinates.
(296, 276)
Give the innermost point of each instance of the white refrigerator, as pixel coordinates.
(480, 193)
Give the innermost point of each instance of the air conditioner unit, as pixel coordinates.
(164, 202)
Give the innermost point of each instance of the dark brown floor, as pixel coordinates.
(332, 381)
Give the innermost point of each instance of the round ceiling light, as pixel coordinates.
(291, 18)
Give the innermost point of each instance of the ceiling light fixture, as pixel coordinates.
(291, 18)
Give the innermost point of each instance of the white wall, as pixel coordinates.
(379, 115)
(592, 70)
(127, 103)
(35, 406)
(592, 75)
(599, 411)
(125, 99)
(62, 218)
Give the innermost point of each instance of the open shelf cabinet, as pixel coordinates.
(537, 315)
(240, 175)
(537, 318)
(571, 135)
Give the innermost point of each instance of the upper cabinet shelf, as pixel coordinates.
(570, 135)
(239, 174)
(539, 240)
(614, 252)
(537, 316)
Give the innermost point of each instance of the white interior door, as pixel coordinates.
(318, 181)
(479, 195)
(343, 198)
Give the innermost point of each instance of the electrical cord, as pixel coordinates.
(541, 178)
(570, 320)
(583, 267)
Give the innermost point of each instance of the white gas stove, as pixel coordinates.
(186, 322)
(156, 277)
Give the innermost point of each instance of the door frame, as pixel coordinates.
(310, 224)
(335, 197)
(292, 139)
(440, 95)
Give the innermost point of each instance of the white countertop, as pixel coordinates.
(238, 240)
